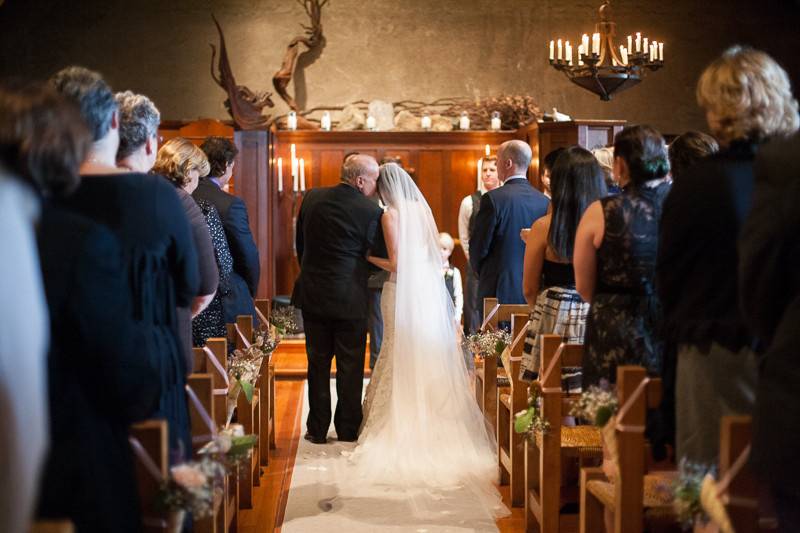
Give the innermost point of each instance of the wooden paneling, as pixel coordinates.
(586, 133)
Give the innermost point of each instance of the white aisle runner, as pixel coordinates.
(316, 503)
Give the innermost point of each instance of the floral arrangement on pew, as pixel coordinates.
(283, 320)
(488, 343)
(530, 420)
(686, 492)
(194, 487)
(598, 406)
(231, 445)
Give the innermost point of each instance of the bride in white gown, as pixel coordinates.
(422, 429)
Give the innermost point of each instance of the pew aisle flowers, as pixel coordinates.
(245, 365)
(192, 487)
(598, 406)
(530, 421)
(283, 320)
(686, 493)
(231, 446)
(488, 343)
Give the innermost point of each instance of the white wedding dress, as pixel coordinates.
(423, 432)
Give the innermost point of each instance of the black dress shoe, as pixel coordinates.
(347, 438)
(315, 440)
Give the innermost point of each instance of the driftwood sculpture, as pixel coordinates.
(311, 39)
(244, 105)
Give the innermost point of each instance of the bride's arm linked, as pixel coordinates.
(389, 225)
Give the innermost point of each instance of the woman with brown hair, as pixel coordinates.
(747, 99)
(183, 164)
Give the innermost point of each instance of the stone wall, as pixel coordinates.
(388, 49)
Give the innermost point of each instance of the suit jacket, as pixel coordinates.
(496, 252)
(769, 289)
(336, 228)
(246, 266)
(98, 380)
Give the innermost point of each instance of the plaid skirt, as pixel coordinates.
(558, 311)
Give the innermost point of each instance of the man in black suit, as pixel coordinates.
(246, 267)
(496, 251)
(336, 228)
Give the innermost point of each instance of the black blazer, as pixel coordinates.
(98, 380)
(336, 228)
(769, 289)
(246, 265)
(496, 252)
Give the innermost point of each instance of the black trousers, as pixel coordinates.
(473, 309)
(347, 339)
(375, 323)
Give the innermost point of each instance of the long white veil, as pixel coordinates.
(432, 434)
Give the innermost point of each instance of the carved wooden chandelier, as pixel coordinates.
(600, 66)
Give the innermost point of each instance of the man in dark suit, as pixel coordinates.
(336, 228)
(769, 290)
(246, 267)
(496, 251)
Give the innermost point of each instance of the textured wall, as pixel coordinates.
(389, 49)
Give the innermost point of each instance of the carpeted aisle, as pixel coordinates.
(316, 503)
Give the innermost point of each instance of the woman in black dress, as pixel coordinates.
(615, 257)
(144, 213)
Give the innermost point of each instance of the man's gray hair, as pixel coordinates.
(138, 121)
(518, 152)
(356, 165)
(91, 93)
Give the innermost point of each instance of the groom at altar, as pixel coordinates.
(336, 228)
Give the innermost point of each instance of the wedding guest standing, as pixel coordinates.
(221, 153)
(605, 156)
(138, 132)
(547, 169)
(747, 99)
(615, 257)
(689, 149)
(496, 250)
(548, 279)
(144, 213)
(23, 330)
(182, 163)
(452, 276)
(97, 382)
(473, 309)
(769, 289)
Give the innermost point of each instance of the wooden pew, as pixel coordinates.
(512, 400)
(150, 443)
(250, 412)
(267, 388)
(486, 372)
(52, 526)
(626, 496)
(544, 455)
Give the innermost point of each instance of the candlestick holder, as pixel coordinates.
(605, 73)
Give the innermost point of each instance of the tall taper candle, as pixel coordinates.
(302, 174)
(280, 174)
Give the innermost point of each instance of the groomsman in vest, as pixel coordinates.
(496, 251)
(467, 215)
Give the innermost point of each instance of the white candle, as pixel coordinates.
(638, 42)
(581, 53)
(302, 174)
(426, 122)
(463, 122)
(488, 150)
(645, 46)
(291, 121)
(596, 43)
(480, 170)
(295, 178)
(568, 48)
(280, 174)
(293, 150)
(496, 123)
(584, 44)
(560, 51)
(370, 123)
(630, 43)
(552, 50)
(623, 55)
(661, 51)
(325, 123)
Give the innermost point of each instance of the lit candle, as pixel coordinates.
(560, 51)
(280, 174)
(552, 50)
(325, 123)
(645, 46)
(463, 122)
(291, 121)
(638, 42)
(661, 51)
(623, 55)
(581, 53)
(371, 123)
(488, 150)
(584, 44)
(568, 48)
(480, 170)
(630, 43)
(496, 124)
(295, 177)
(302, 174)
(293, 151)
(596, 43)
(653, 51)
(426, 122)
